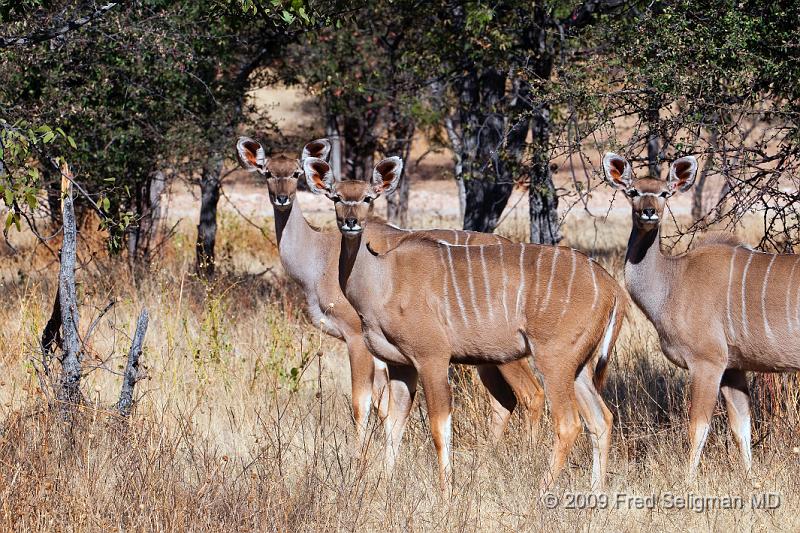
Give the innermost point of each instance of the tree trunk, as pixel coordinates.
(131, 375)
(332, 132)
(53, 188)
(653, 148)
(69, 393)
(486, 184)
(697, 196)
(207, 228)
(402, 130)
(543, 201)
(360, 146)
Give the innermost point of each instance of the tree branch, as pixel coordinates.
(52, 33)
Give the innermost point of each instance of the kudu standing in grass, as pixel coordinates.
(720, 309)
(310, 257)
(427, 303)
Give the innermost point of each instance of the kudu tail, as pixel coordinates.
(610, 334)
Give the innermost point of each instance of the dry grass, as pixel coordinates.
(242, 426)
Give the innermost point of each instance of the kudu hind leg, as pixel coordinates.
(402, 389)
(599, 422)
(528, 390)
(501, 397)
(737, 400)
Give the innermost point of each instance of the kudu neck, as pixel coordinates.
(644, 245)
(352, 250)
(289, 221)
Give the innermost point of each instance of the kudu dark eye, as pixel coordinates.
(632, 193)
(664, 194)
(367, 199)
(337, 199)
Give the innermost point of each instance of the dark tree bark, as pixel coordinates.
(699, 188)
(402, 131)
(210, 183)
(543, 201)
(53, 189)
(69, 393)
(486, 184)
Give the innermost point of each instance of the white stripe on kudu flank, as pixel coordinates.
(767, 329)
(744, 286)
(550, 281)
(471, 282)
(521, 288)
(594, 283)
(565, 304)
(445, 290)
(455, 286)
(466, 241)
(486, 285)
(455, 236)
(536, 279)
(790, 327)
(505, 282)
(728, 294)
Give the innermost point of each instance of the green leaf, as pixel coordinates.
(71, 142)
(49, 136)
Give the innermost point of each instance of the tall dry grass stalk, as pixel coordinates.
(243, 419)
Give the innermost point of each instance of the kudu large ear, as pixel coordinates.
(319, 175)
(617, 171)
(320, 148)
(682, 174)
(386, 175)
(251, 155)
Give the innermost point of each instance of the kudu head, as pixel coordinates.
(280, 172)
(648, 195)
(352, 198)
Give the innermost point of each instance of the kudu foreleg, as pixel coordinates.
(528, 390)
(361, 381)
(438, 400)
(705, 384)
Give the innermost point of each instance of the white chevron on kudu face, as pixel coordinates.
(500, 314)
(721, 309)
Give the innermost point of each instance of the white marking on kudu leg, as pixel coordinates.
(744, 287)
(471, 283)
(521, 289)
(728, 294)
(486, 284)
(455, 286)
(790, 327)
(550, 281)
(565, 304)
(505, 283)
(767, 329)
(609, 333)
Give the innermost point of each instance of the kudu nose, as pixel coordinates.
(649, 212)
(282, 199)
(350, 223)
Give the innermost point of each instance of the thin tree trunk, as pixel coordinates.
(543, 201)
(332, 132)
(69, 394)
(653, 146)
(699, 188)
(210, 184)
(400, 145)
(131, 375)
